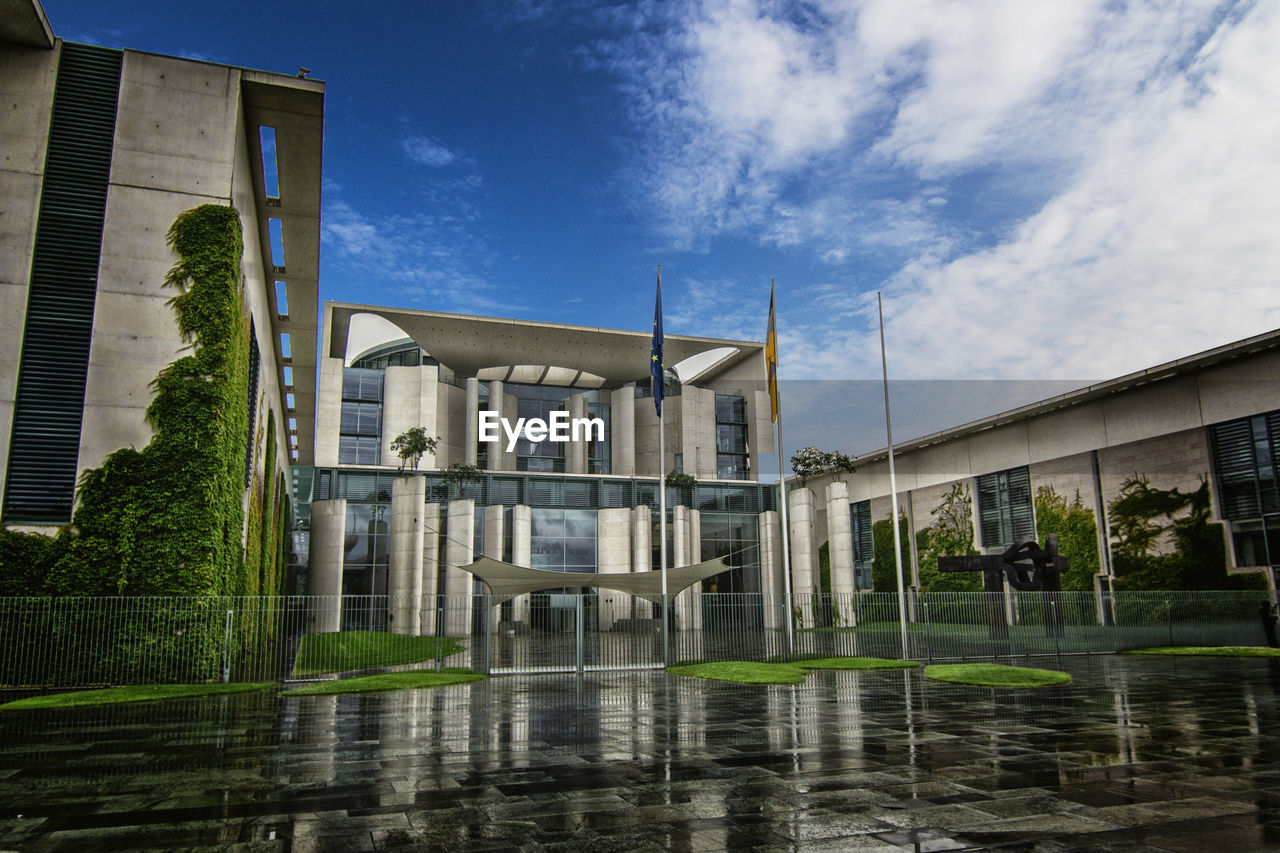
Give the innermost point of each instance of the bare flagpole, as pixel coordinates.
(893, 488)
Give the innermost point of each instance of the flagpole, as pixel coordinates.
(893, 489)
(782, 500)
(659, 392)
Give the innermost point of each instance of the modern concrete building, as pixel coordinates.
(101, 150)
(1212, 416)
(582, 505)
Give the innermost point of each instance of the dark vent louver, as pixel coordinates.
(44, 445)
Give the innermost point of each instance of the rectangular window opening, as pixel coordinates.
(270, 174)
(286, 350)
(295, 455)
(288, 377)
(293, 424)
(282, 299)
(288, 402)
(275, 232)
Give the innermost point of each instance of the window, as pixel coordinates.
(1244, 461)
(600, 453)
(1004, 507)
(360, 427)
(731, 437)
(863, 543)
(734, 536)
(563, 540)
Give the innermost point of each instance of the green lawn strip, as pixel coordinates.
(995, 675)
(1208, 651)
(131, 693)
(413, 680)
(344, 651)
(855, 663)
(742, 672)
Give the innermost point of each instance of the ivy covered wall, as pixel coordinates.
(170, 519)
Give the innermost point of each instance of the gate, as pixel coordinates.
(572, 632)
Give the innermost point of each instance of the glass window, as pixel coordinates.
(563, 540)
(732, 457)
(1004, 507)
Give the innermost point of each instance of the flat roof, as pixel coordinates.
(1168, 370)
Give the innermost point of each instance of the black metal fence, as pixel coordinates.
(80, 641)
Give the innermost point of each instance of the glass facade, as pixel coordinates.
(563, 540)
(731, 438)
(736, 537)
(360, 429)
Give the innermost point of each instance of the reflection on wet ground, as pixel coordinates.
(1137, 754)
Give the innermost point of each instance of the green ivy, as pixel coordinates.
(950, 535)
(1142, 513)
(1077, 533)
(884, 571)
(169, 519)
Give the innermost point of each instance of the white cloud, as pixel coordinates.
(1140, 141)
(429, 152)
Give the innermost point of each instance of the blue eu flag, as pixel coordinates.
(655, 355)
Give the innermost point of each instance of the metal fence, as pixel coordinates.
(80, 641)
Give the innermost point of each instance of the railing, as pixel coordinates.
(80, 641)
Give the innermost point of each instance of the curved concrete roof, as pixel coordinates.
(468, 344)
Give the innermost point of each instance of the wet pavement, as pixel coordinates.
(1137, 754)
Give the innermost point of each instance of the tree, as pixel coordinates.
(411, 444)
(810, 462)
(680, 481)
(459, 475)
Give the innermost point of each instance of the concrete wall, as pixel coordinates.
(27, 77)
(458, 551)
(177, 131)
(329, 415)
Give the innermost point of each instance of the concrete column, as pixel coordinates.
(576, 451)
(471, 436)
(684, 524)
(493, 538)
(693, 595)
(840, 549)
(430, 568)
(613, 550)
(324, 565)
(622, 411)
(329, 417)
(641, 555)
(404, 576)
(458, 551)
(521, 555)
(501, 459)
(803, 555)
(771, 569)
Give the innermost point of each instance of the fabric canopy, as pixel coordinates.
(504, 579)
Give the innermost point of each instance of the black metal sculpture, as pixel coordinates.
(1028, 568)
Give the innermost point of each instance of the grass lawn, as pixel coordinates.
(743, 672)
(995, 675)
(1208, 651)
(414, 680)
(133, 693)
(347, 650)
(855, 663)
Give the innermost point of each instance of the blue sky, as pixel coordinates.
(1049, 191)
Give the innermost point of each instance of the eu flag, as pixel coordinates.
(655, 354)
